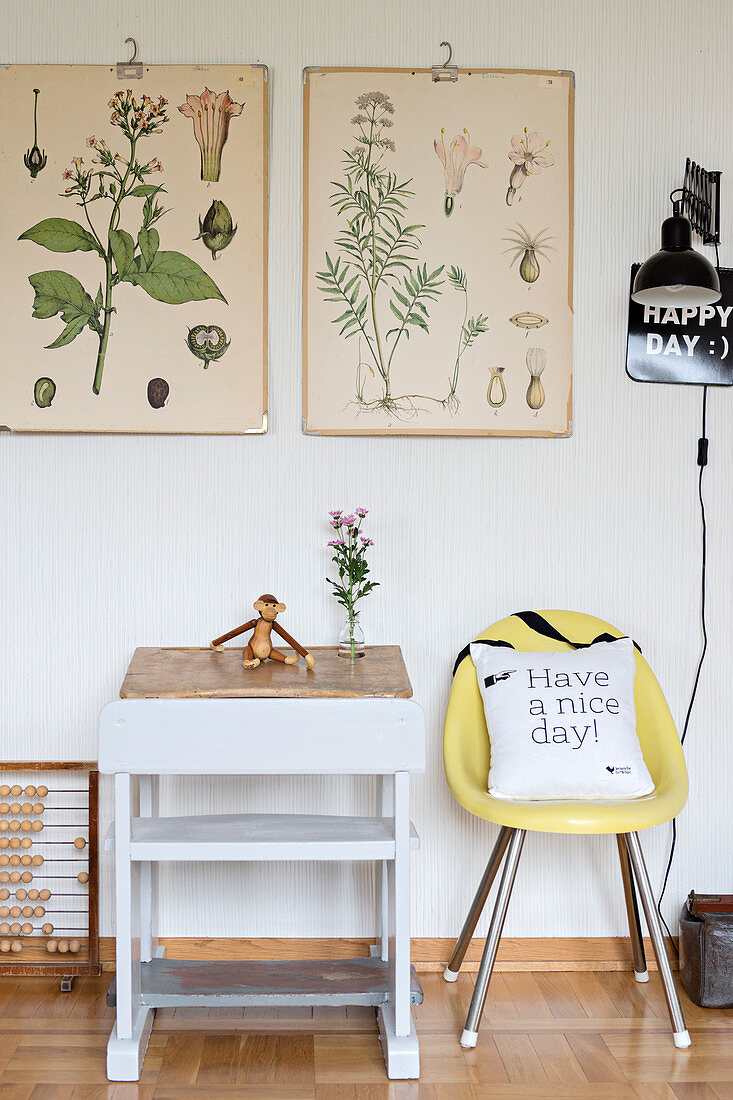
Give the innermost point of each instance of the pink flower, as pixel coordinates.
(529, 156)
(91, 142)
(67, 174)
(366, 541)
(335, 523)
(336, 542)
(362, 512)
(335, 514)
(348, 520)
(78, 161)
(211, 114)
(456, 160)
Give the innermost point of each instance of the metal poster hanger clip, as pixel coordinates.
(132, 69)
(447, 71)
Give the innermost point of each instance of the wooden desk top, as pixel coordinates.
(205, 674)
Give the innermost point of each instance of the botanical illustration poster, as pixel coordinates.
(133, 229)
(438, 230)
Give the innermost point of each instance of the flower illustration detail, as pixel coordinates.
(35, 159)
(456, 159)
(529, 156)
(211, 114)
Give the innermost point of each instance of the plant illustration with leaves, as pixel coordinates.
(377, 272)
(168, 277)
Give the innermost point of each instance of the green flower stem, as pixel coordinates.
(461, 347)
(108, 310)
(384, 371)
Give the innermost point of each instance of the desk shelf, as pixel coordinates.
(257, 837)
(172, 983)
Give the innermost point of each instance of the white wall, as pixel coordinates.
(107, 543)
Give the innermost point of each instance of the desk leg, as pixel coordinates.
(129, 1039)
(149, 807)
(396, 1029)
(386, 802)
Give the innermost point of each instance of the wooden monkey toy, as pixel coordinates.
(260, 646)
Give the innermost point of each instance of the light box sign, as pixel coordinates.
(689, 345)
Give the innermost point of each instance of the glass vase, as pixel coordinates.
(351, 638)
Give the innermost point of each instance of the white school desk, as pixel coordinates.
(198, 712)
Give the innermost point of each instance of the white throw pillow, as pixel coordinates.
(562, 725)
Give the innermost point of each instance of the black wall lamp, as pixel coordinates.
(677, 275)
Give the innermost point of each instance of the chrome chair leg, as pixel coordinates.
(469, 1037)
(681, 1034)
(459, 951)
(637, 943)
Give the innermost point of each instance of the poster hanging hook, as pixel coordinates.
(132, 69)
(447, 71)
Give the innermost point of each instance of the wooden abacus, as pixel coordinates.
(30, 885)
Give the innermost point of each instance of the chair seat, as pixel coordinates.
(467, 752)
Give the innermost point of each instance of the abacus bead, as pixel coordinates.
(38, 808)
(80, 842)
(14, 826)
(37, 861)
(33, 895)
(4, 876)
(4, 790)
(16, 946)
(15, 911)
(42, 791)
(21, 895)
(47, 929)
(4, 946)
(15, 842)
(26, 808)
(4, 842)
(15, 808)
(4, 911)
(4, 808)
(26, 826)
(15, 861)
(15, 876)
(26, 842)
(27, 910)
(44, 895)
(30, 791)
(74, 946)
(26, 877)
(16, 790)
(4, 928)
(39, 911)
(4, 861)
(63, 946)
(37, 826)
(26, 861)
(4, 826)
(4, 895)
(51, 946)
(15, 928)
(27, 929)
(83, 876)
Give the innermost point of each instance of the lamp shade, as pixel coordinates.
(677, 275)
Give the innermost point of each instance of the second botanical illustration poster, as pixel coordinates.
(438, 244)
(133, 229)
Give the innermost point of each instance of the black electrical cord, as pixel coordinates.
(702, 461)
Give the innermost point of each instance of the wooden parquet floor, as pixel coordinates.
(563, 1036)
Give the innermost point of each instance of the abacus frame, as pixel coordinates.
(65, 968)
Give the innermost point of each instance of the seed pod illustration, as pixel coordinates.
(526, 248)
(536, 362)
(207, 342)
(44, 392)
(496, 393)
(158, 390)
(528, 320)
(216, 229)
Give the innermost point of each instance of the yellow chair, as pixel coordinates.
(466, 754)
